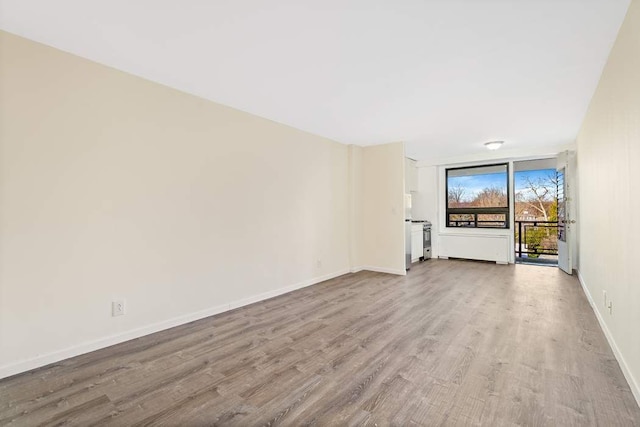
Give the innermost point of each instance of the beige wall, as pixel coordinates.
(383, 208)
(609, 197)
(115, 187)
(356, 226)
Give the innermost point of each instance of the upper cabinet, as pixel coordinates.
(410, 176)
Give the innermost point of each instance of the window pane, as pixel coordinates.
(477, 187)
(496, 220)
(492, 220)
(461, 220)
(477, 196)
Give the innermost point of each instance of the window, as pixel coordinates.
(477, 196)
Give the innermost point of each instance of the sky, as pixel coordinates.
(520, 177)
(521, 186)
(476, 183)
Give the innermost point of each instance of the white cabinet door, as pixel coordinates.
(407, 175)
(416, 244)
(410, 176)
(413, 177)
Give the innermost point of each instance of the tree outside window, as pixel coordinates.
(536, 206)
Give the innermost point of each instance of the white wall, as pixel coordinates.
(480, 243)
(431, 202)
(115, 187)
(609, 197)
(484, 244)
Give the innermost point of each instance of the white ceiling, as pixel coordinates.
(443, 76)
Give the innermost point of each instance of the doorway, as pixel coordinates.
(536, 212)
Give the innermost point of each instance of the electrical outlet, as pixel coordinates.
(117, 308)
(604, 298)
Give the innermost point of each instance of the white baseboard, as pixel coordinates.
(89, 346)
(633, 384)
(280, 291)
(384, 270)
(377, 270)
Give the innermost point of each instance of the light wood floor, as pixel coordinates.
(453, 343)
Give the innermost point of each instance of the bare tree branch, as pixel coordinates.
(455, 195)
(539, 194)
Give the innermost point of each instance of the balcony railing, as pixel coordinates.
(536, 239)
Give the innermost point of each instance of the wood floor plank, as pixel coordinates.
(452, 343)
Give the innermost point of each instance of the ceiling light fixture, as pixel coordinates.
(493, 145)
